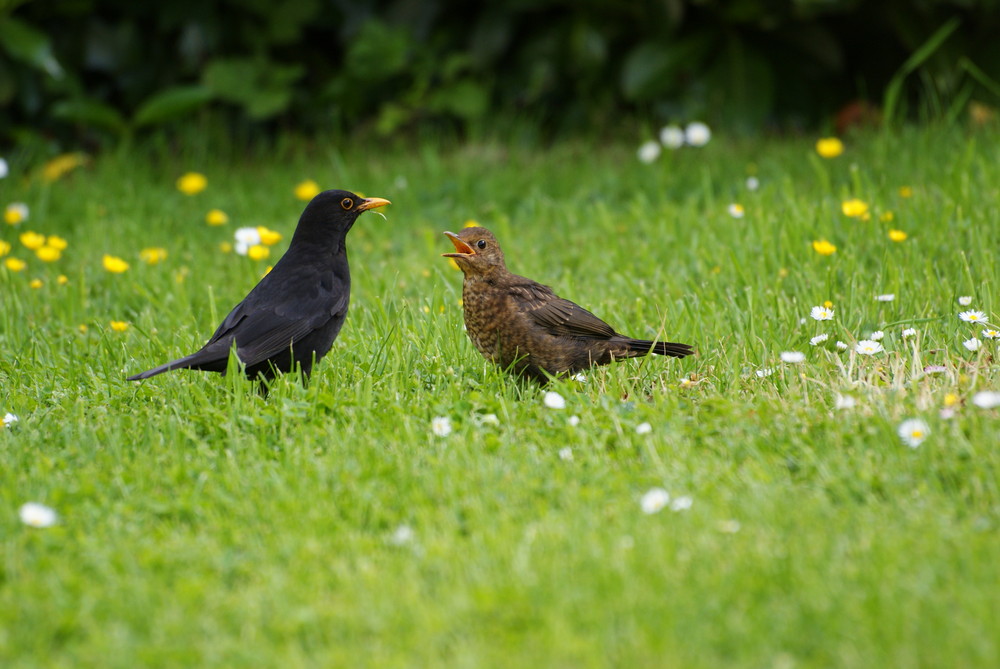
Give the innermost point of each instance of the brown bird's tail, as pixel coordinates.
(645, 346)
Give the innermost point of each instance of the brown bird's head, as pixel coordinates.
(476, 251)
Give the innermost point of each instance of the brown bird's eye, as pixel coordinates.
(347, 203)
(481, 243)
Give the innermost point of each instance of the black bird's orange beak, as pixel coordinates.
(372, 203)
(461, 247)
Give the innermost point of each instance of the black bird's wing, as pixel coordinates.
(558, 316)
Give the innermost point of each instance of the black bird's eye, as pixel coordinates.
(481, 243)
(347, 203)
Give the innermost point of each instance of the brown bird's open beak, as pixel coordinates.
(372, 203)
(460, 246)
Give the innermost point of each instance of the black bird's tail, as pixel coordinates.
(198, 360)
(645, 346)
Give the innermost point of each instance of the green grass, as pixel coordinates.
(203, 525)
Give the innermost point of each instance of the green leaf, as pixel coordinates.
(90, 112)
(894, 90)
(263, 88)
(653, 68)
(171, 104)
(29, 45)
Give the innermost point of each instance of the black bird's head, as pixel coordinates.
(331, 214)
(476, 251)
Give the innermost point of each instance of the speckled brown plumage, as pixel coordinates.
(523, 326)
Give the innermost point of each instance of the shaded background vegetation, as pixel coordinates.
(91, 71)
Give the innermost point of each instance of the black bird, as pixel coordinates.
(523, 326)
(296, 311)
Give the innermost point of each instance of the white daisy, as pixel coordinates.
(764, 371)
(9, 419)
(991, 333)
(753, 183)
(573, 421)
(4, 170)
(913, 432)
(681, 503)
(402, 535)
(793, 357)
(697, 134)
(972, 344)
(245, 238)
(844, 402)
(965, 300)
(566, 454)
(868, 347)
(821, 313)
(841, 346)
(729, 526)
(643, 428)
(986, 399)
(489, 419)
(654, 500)
(554, 400)
(909, 332)
(736, 210)
(935, 369)
(579, 377)
(877, 335)
(37, 515)
(672, 137)
(648, 152)
(973, 316)
(441, 426)
(889, 297)
(16, 212)
(819, 339)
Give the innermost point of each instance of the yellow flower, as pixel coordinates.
(48, 253)
(829, 147)
(32, 240)
(15, 213)
(114, 264)
(62, 164)
(854, 208)
(897, 235)
(4, 248)
(258, 252)
(36, 283)
(307, 190)
(782, 272)
(268, 237)
(216, 217)
(15, 264)
(905, 191)
(119, 326)
(950, 400)
(62, 280)
(828, 304)
(153, 255)
(82, 327)
(226, 247)
(57, 242)
(470, 224)
(886, 216)
(192, 183)
(181, 274)
(824, 248)
(454, 265)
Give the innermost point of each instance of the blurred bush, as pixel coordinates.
(91, 71)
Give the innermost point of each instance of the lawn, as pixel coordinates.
(340, 524)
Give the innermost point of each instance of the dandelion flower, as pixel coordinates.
(986, 399)
(48, 253)
(672, 136)
(566, 454)
(192, 183)
(471, 223)
(643, 428)
(950, 400)
(877, 335)
(682, 503)
(654, 500)
(991, 333)
(793, 357)
(905, 191)
(888, 297)
(258, 252)
(153, 255)
(15, 264)
(36, 283)
(973, 316)
(841, 346)
(62, 279)
(736, 210)
(56, 242)
(887, 217)
(822, 313)
(32, 240)
(268, 237)
(972, 344)
(823, 247)
(965, 300)
(854, 208)
(114, 264)
(225, 247)
(829, 147)
(16, 212)
(819, 339)
(216, 217)
(913, 432)
(554, 400)
(441, 426)
(753, 183)
(697, 134)
(119, 326)
(307, 190)
(4, 248)
(61, 165)
(648, 152)
(9, 419)
(868, 347)
(897, 235)
(909, 332)
(37, 515)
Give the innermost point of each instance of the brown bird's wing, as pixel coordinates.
(558, 316)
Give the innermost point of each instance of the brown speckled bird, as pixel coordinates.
(523, 326)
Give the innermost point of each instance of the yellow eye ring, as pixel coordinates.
(347, 203)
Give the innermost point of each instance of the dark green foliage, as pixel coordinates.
(92, 70)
